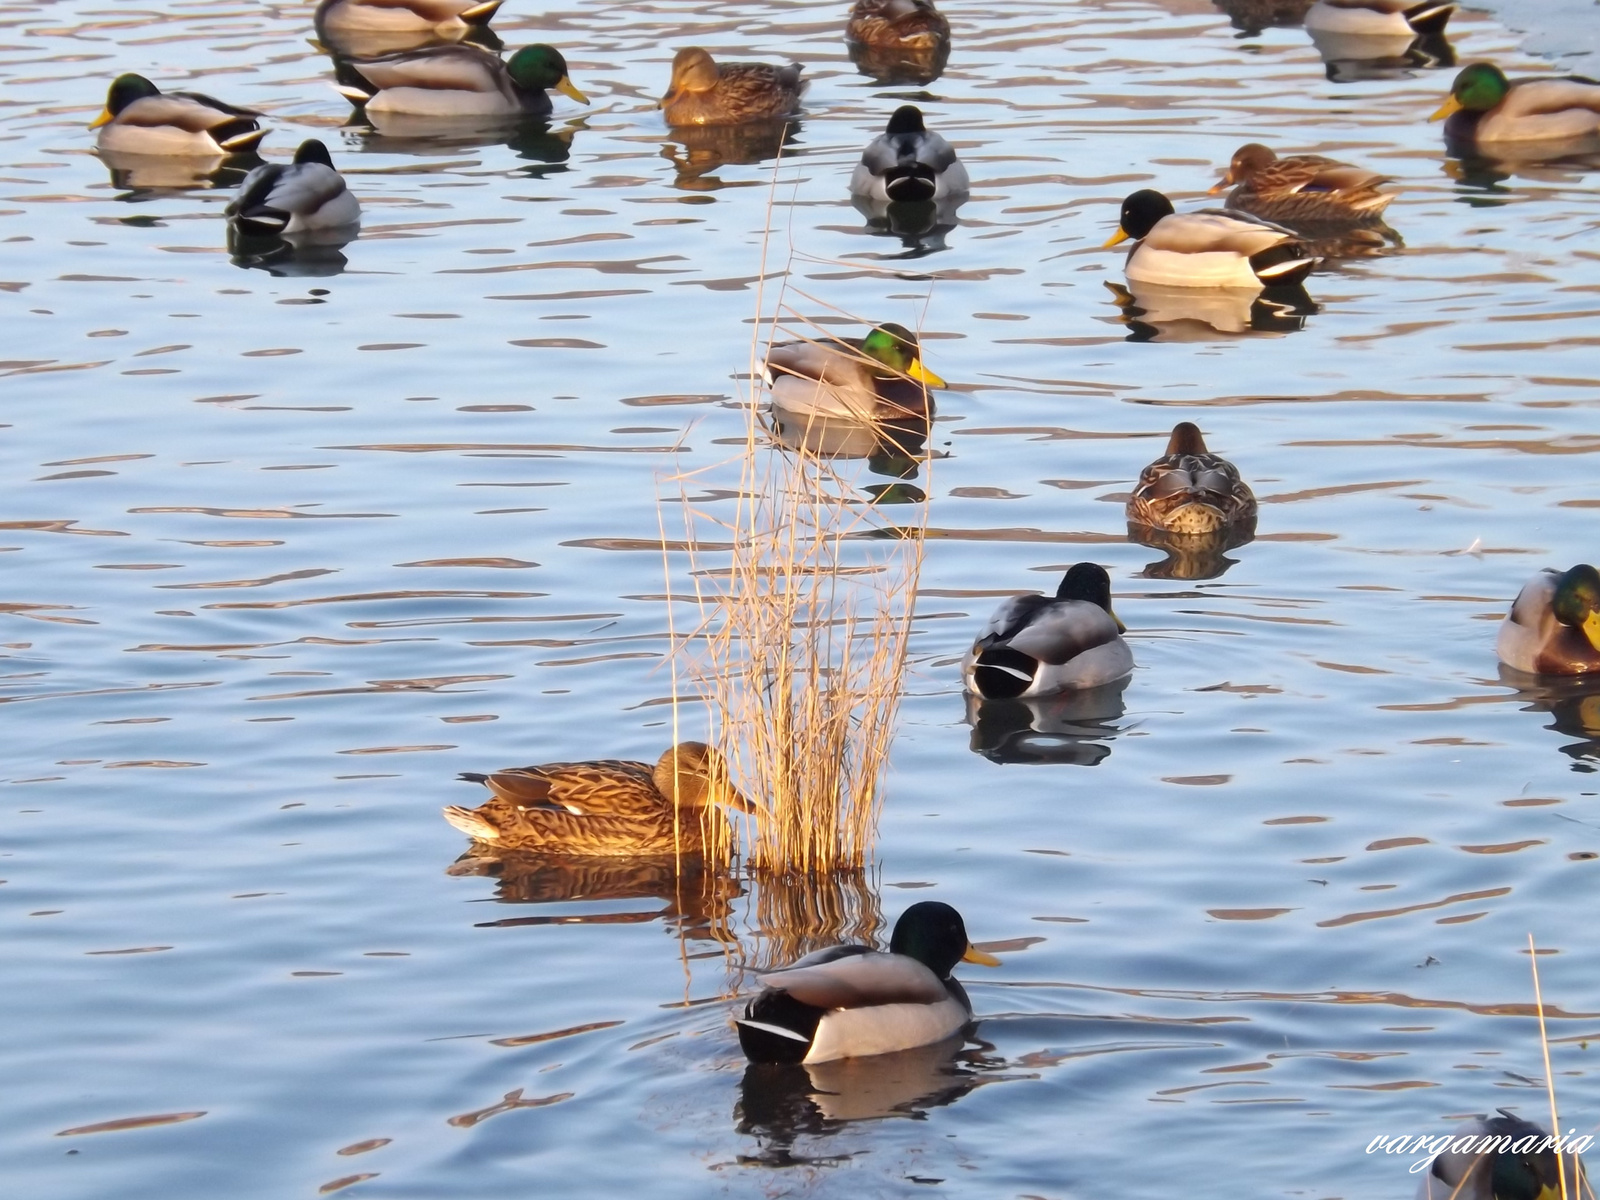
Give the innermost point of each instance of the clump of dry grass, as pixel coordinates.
(804, 589)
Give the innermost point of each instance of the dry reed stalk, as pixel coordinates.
(805, 593)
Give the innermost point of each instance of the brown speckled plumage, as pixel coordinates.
(706, 92)
(1190, 491)
(898, 24)
(605, 807)
(1304, 189)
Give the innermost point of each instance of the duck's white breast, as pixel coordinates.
(884, 1028)
(157, 140)
(1211, 268)
(1328, 18)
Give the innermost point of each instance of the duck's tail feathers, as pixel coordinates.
(470, 823)
(473, 777)
(1285, 263)
(479, 14)
(353, 94)
(766, 1043)
(1429, 17)
(262, 222)
(910, 182)
(1002, 673)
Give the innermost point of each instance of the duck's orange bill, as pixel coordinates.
(922, 375)
(983, 959)
(1591, 629)
(1121, 628)
(1451, 105)
(1220, 185)
(567, 88)
(105, 118)
(1120, 235)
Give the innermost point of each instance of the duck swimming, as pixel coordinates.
(878, 377)
(1553, 628)
(907, 163)
(1035, 645)
(900, 25)
(1190, 491)
(851, 1001)
(706, 92)
(1208, 248)
(1303, 188)
(446, 18)
(1378, 18)
(1534, 1173)
(1485, 106)
(463, 81)
(307, 194)
(139, 118)
(605, 807)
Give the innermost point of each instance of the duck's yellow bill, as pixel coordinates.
(982, 958)
(567, 88)
(922, 375)
(1121, 628)
(1220, 185)
(1119, 236)
(1591, 629)
(1451, 105)
(105, 118)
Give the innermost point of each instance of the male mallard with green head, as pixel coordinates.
(1519, 1162)
(851, 1001)
(605, 807)
(1553, 628)
(139, 118)
(1485, 106)
(1208, 248)
(1303, 188)
(1190, 491)
(463, 81)
(875, 378)
(706, 92)
(1035, 645)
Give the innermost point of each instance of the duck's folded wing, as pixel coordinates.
(1063, 630)
(440, 68)
(859, 980)
(582, 789)
(1011, 616)
(1539, 97)
(932, 150)
(305, 188)
(193, 114)
(1209, 231)
(833, 362)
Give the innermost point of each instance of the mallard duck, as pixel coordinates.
(1190, 491)
(875, 378)
(1501, 1170)
(139, 118)
(1553, 628)
(1209, 248)
(901, 25)
(1378, 18)
(1303, 188)
(607, 807)
(1485, 106)
(706, 92)
(851, 1001)
(307, 194)
(463, 81)
(444, 17)
(1035, 645)
(908, 164)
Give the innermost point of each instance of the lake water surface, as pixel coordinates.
(285, 552)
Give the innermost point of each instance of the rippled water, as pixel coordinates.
(285, 552)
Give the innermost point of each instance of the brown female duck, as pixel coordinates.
(1303, 188)
(1190, 491)
(706, 92)
(606, 807)
(908, 26)
(1554, 626)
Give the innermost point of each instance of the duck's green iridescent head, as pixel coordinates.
(1577, 601)
(934, 934)
(896, 347)
(1477, 88)
(124, 90)
(540, 68)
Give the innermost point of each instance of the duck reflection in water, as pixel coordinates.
(1155, 312)
(533, 139)
(1073, 728)
(779, 1103)
(893, 447)
(921, 225)
(697, 151)
(698, 901)
(148, 177)
(310, 254)
(898, 41)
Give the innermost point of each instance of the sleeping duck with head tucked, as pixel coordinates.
(605, 807)
(1554, 626)
(1035, 645)
(852, 1001)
